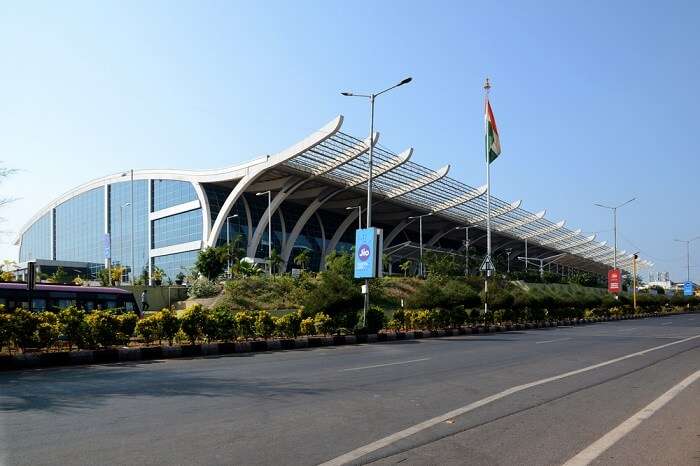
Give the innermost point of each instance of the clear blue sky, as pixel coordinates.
(595, 101)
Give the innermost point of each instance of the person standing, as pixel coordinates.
(144, 301)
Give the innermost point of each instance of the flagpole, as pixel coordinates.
(487, 86)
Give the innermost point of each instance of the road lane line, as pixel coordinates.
(593, 451)
(383, 365)
(552, 341)
(667, 323)
(393, 438)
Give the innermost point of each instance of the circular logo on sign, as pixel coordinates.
(363, 253)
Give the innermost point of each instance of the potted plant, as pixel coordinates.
(157, 276)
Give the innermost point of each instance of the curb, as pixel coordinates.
(114, 355)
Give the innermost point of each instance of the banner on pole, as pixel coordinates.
(367, 252)
(688, 289)
(614, 285)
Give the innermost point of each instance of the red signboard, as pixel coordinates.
(614, 285)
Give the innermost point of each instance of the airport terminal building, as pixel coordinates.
(315, 189)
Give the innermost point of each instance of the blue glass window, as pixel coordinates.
(80, 226)
(172, 264)
(36, 241)
(177, 229)
(167, 193)
(120, 224)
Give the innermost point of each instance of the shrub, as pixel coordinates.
(22, 328)
(203, 288)
(335, 295)
(222, 321)
(307, 326)
(399, 317)
(290, 324)
(148, 328)
(192, 322)
(126, 324)
(323, 323)
(169, 325)
(48, 329)
(264, 325)
(103, 328)
(73, 326)
(6, 331)
(211, 262)
(245, 324)
(375, 319)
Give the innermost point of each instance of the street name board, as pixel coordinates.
(614, 285)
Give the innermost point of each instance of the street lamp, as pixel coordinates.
(131, 200)
(508, 252)
(420, 232)
(228, 242)
(614, 210)
(466, 248)
(371, 98)
(687, 250)
(121, 230)
(269, 227)
(359, 214)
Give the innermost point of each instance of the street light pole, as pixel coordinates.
(269, 228)
(466, 248)
(372, 98)
(614, 211)
(121, 239)
(420, 234)
(359, 214)
(687, 251)
(228, 242)
(508, 252)
(133, 264)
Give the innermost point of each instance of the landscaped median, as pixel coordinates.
(32, 360)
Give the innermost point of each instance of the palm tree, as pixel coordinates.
(303, 258)
(405, 266)
(275, 260)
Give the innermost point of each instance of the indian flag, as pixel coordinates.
(493, 143)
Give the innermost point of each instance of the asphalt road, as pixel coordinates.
(312, 406)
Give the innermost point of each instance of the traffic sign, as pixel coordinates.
(688, 289)
(487, 265)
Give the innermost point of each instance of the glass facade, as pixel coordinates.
(36, 241)
(79, 227)
(177, 229)
(168, 193)
(236, 226)
(120, 224)
(172, 264)
(216, 195)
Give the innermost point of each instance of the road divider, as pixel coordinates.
(33, 360)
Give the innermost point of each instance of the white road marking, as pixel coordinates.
(552, 341)
(382, 365)
(593, 451)
(393, 438)
(667, 323)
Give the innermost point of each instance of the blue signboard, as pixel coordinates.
(106, 243)
(688, 289)
(365, 253)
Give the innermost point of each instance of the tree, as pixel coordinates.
(303, 258)
(4, 173)
(59, 276)
(211, 262)
(405, 266)
(275, 261)
(247, 269)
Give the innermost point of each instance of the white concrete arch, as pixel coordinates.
(253, 172)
